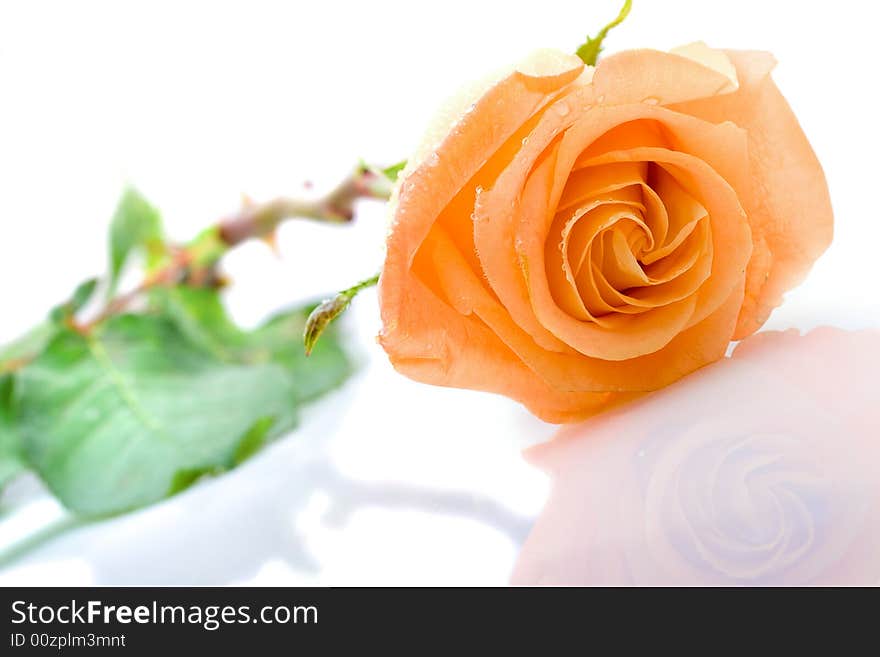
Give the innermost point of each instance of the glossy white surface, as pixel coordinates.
(386, 481)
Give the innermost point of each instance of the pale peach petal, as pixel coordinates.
(495, 219)
(711, 58)
(427, 191)
(787, 199)
(636, 76)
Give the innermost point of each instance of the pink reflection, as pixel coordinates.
(762, 469)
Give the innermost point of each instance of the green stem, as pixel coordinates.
(354, 290)
(328, 311)
(39, 538)
(589, 51)
(197, 261)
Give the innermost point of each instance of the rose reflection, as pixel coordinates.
(762, 469)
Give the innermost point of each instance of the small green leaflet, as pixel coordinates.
(135, 225)
(589, 51)
(80, 297)
(394, 170)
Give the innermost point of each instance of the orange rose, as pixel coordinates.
(579, 236)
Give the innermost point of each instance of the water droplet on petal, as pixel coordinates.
(561, 109)
(651, 100)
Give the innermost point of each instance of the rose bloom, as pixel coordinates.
(576, 237)
(758, 470)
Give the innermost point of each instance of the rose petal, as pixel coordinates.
(432, 185)
(787, 200)
(636, 76)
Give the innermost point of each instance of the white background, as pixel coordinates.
(387, 481)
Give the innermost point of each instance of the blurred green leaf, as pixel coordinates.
(11, 461)
(83, 294)
(80, 297)
(109, 420)
(29, 345)
(147, 404)
(280, 341)
(252, 441)
(14, 356)
(136, 224)
(199, 313)
(394, 170)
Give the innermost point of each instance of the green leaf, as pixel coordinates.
(109, 421)
(394, 170)
(279, 340)
(11, 461)
(13, 357)
(251, 442)
(148, 404)
(83, 294)
(135, 225)
(28, 346)
(589, 51)
(200, 315)
(80, 297)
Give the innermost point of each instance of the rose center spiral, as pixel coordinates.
(627, 238)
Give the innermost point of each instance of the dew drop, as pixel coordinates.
(601, 99)
(525, 140)
(562, 109)
(651, 100)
